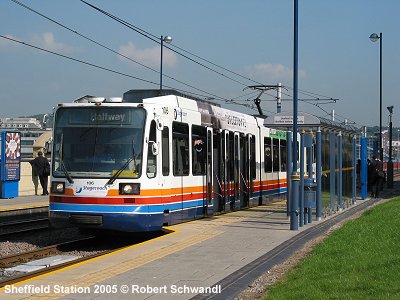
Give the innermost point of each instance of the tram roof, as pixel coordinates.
(306, 121)
(137, 96)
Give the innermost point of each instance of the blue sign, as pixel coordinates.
(10, 156)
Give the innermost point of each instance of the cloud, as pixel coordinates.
(273, 71)
(147, 56)
(44, 40)
(7, 44)
(47, 41)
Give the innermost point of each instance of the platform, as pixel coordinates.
(23, 202)
(196, 254)
(196, 258)
(23, 206)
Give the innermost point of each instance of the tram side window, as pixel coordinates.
(165, 151)
(268, 154)
(199, 150)
(283, 155)
(275, 154)
(180, 149)
(151, 158)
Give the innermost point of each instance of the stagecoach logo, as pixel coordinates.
(107, 117)
(86, 188)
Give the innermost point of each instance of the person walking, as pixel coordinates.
(378, 175)
(42, 168)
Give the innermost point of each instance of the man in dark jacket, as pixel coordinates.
(42, 169)
(377, 167)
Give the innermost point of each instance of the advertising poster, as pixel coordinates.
(10, 155)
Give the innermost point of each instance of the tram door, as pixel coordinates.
(218, 166)
(208, 206)
(236, 170)
(252, 166)
(226, 169)
(247, 163)
(243, 176)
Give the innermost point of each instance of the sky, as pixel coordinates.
(251, 40)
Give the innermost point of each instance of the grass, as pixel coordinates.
(361, 260)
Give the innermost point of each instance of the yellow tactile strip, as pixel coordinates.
(111, 265)
(106, 267)
(23, 206)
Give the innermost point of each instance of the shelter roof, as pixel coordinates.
(306, 121)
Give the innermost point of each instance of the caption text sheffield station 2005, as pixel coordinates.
(111, 289)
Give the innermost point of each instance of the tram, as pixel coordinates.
(155, 158)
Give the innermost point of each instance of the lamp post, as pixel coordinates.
(390, 162)
(295, 176)
(374, 37)
(168, 40)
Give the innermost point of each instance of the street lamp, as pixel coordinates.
(374, 37)
(295, 176)
(390, 162)
(168, 40)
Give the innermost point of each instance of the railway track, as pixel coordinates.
(23, 220)
(91, 243)
(23, 226)
(49, 251)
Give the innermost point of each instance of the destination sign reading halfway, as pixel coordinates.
(108, 117)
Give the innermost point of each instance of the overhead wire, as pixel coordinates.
(75, 59)
(157, 40)
(147, 34)
(154, 38)
(100, 67)
(105, 47)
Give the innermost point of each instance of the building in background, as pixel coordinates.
(31, 129)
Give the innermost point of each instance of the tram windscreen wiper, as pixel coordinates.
(120, 170)
(64, 169)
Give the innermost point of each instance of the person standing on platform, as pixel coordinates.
(378, 175)
(42, 168)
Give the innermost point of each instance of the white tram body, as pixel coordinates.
(147, 161)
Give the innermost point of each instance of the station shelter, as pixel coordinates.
(326, 164)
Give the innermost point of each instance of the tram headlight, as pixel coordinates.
(57, 187)
(129, 188)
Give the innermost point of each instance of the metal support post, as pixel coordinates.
(340, 171)
(295, 175)
(310, 173)
(161, 61)
(363, 168)
(294, 213)
(289, 170)
(319, 175)
(279, 98)
(332, 142)
(354, 183)
(380, 97)
(302, 220)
